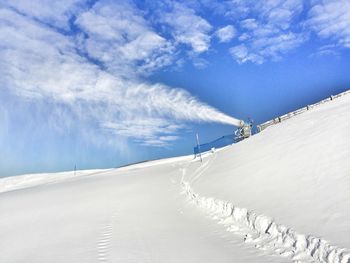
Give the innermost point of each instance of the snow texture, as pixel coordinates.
(267, 235)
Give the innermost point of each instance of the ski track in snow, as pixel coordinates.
(262, 231)
(104, 241)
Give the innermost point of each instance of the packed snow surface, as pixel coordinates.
(282, 195)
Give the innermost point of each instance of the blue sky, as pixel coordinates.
(105, 83)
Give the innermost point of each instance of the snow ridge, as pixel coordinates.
(266, 234)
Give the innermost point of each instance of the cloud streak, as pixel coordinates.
(96, 71)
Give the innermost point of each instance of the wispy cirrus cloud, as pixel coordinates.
(117, 35)
(267, 28)
(95, 67)
(226, 33)
(188, 27)
(54, 13)
(330, 19)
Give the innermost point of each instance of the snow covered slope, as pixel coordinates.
(283, 195)
(131, 215)
(30, 180)
(297, 172)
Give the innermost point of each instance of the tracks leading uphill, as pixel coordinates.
(263, 232)
(105, 238)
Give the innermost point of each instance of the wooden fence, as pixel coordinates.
(289, 115)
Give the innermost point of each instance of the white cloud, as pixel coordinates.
(267, 29)
(54, 12)
(249, 24)
(276, 45)
(188, 28)
(266, 42)
(331, 19)
(119, 37)
(241, 54)
(326, 50)
(279, 13)
(146, 131)
(39, 63)
(225, 34)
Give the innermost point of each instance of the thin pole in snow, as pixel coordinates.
(199, 147)
(75, 169)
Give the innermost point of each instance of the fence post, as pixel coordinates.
(199, 147)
